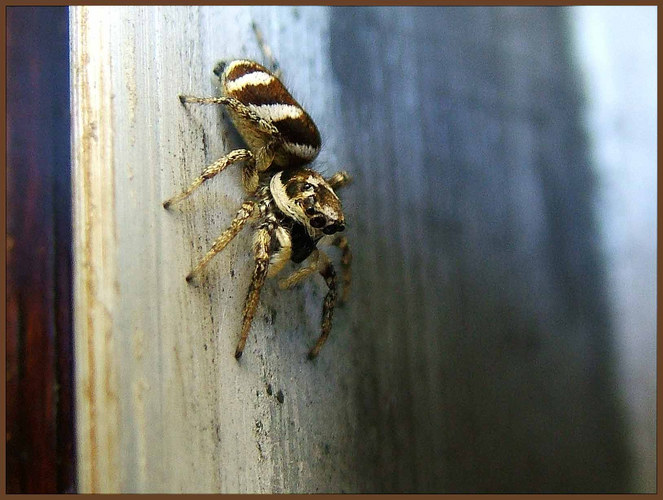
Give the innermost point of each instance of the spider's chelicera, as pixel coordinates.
(294, 208)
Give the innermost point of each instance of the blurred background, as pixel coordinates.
(502, 332)
(507, 175)
(617, 56)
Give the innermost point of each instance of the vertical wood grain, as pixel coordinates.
(95, 242)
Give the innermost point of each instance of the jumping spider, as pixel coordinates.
(293, 207)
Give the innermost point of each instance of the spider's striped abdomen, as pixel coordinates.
(263, 93)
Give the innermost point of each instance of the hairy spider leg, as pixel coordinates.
(238, 107)
(267, 53)
(321, 263)
(261, 242)
(304, 272)
(339, 179)
(328, 273)
(282, 256)
(212, 170)
(301, 273)
(262, 158)
(246, 212)
(346, 261)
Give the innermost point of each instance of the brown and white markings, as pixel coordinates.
(293, 207)
(264, 94)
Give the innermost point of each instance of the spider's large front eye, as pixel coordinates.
(318, 221)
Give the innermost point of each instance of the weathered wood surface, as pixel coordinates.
(163, 405)
(475, 352)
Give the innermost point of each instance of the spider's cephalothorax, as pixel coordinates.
(307, 197)
(294, 208)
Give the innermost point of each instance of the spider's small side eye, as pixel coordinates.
(309, 204)
(307, 186)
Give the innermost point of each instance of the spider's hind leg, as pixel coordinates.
(267, 53)
(257, 161)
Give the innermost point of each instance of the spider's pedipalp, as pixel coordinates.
(339, 179)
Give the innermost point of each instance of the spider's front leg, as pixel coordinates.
(327, 272)
(304, 272)
(322, 264)
(244, 214)
(346, 261)
(261, 244)
(301, 273)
